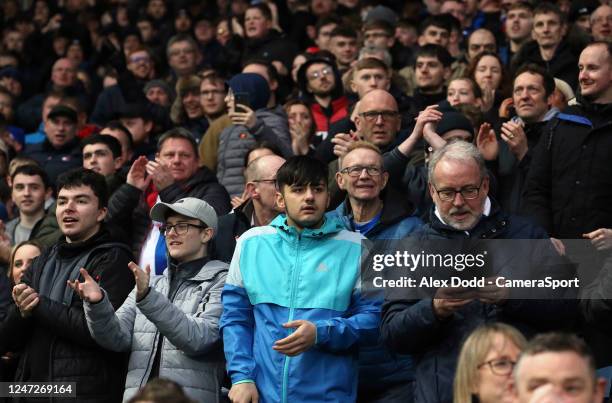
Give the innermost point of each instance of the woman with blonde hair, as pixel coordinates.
(486, 362)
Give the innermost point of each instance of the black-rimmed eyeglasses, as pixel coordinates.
(468, 192)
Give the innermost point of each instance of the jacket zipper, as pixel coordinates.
(156, 342)
(294, 277)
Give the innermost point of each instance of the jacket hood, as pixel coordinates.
(254, 85)
(303, 81)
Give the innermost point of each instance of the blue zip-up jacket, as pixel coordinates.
(278, 275)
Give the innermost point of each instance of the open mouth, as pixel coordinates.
(69, 220)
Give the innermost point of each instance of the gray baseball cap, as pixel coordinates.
(189, 207)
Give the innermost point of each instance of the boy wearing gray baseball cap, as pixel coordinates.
(170, 323)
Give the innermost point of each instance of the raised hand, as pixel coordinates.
(160, 174)
(137, 175)
(514, 135)
(430, 115)
(486, 141)
(88, 290)
(342, 141)
(142, 278)
(26, 298)
(243, 115)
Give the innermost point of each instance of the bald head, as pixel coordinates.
(374, 98)
(63, 73)
(264, 168)
(479, 41)
(378, 120)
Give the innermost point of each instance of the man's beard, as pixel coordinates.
(323, 94)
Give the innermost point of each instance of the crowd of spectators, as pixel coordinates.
(187, 188)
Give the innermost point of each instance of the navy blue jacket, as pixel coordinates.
(379, 368)
(410, 326)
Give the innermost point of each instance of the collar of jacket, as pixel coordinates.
(589, 107)
(272, 35)
(330, 226)
(65, 149)
(202, 175)
(67, 249)
(488, 226)
(394, 210)
(186, 270)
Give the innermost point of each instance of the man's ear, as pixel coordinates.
(117, 163)
(206, 235)
(148, 126)
(421, 40)
(101, 214)
(280, 200)
(385, 179)
(432, 191)
(251, 189)
(340, 180)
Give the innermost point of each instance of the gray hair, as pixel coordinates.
(457, 150)
(373, 51)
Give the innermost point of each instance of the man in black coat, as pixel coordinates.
(173, 175)
(47, 322)
(260, 208)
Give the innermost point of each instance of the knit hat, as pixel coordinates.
(453, 120)
(161, 84)
(254, 85)
(382, 13)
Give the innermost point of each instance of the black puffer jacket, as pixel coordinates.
(55, 340)
(128, 208)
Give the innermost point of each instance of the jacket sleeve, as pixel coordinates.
(209, 146)
(193, 334)
(122, 204)
(537, 194)
(359, 327)
(237, 324)
(408, 326)
(69, 322)
(112, 330)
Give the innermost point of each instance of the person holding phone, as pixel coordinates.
(252, 121)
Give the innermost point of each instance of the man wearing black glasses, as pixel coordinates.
(377, 211)
(170, 324)
(433, 328)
